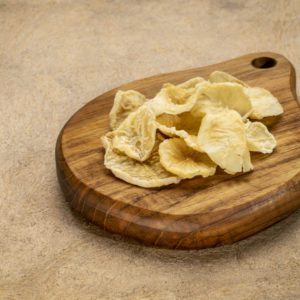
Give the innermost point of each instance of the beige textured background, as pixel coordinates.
(57, 55)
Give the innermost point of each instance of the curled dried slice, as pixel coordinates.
(191, 85)
(184, 121)
(184, 125)
(125, 102)
(219, 76)
(259, 138)
(183, 161)
(148, 174)
(204, 105)
(167, 120)
(172, 100)
(171, 131)
(230, 95)
(136, 134)
(190, 140)
(264, 104)
(222, 136)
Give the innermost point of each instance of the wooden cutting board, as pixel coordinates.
(196, 213)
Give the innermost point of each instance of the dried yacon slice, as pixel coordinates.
(136, 135)
(264, 104)
(191, 85)
(230, 95)
(259, 139)
(204, 105)
(223, 137)
(190, 140)
(148, 174)
(171, 131)
(172, 100)
(184, 121)
(125, 102)
(167, 120)
(219, 76)
(181, 160)
(183, 125)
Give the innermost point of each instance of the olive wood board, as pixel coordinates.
(196, 213)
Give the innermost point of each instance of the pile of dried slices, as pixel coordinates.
(188, 130)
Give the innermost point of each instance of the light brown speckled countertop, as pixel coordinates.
(57, 55)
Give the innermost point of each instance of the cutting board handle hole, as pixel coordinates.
(264, 62)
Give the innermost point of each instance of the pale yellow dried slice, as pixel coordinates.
(136, 134)
(171, 131)
(204, 105)
(168, 120)
(148, 174)
(184, 125)
(191, 85)
(222, 136)
(247, 164)
(191, 140)
(212, 98)
(107, 140)
(219, 76)
(183, 161)
(172, 100)
(259, 139)
(125, 102)
(230, 95)
(202, 85)
(184, 121)
(264, 104)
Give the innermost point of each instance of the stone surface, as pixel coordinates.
(57, 55)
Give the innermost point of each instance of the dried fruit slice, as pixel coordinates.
(219, 76)
(148, 174)
(171, 131)
(167, 120)
(184, 125)
(191, 140)
(264, 104)
(259, 139)
(204, 105)
(124, 103)
(191, 85)
(136, 135)
(184, 121)
(231, 95)
(183, 161)
(172, 100)
(222, 136)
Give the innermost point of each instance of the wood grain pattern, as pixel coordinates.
(197, 213)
